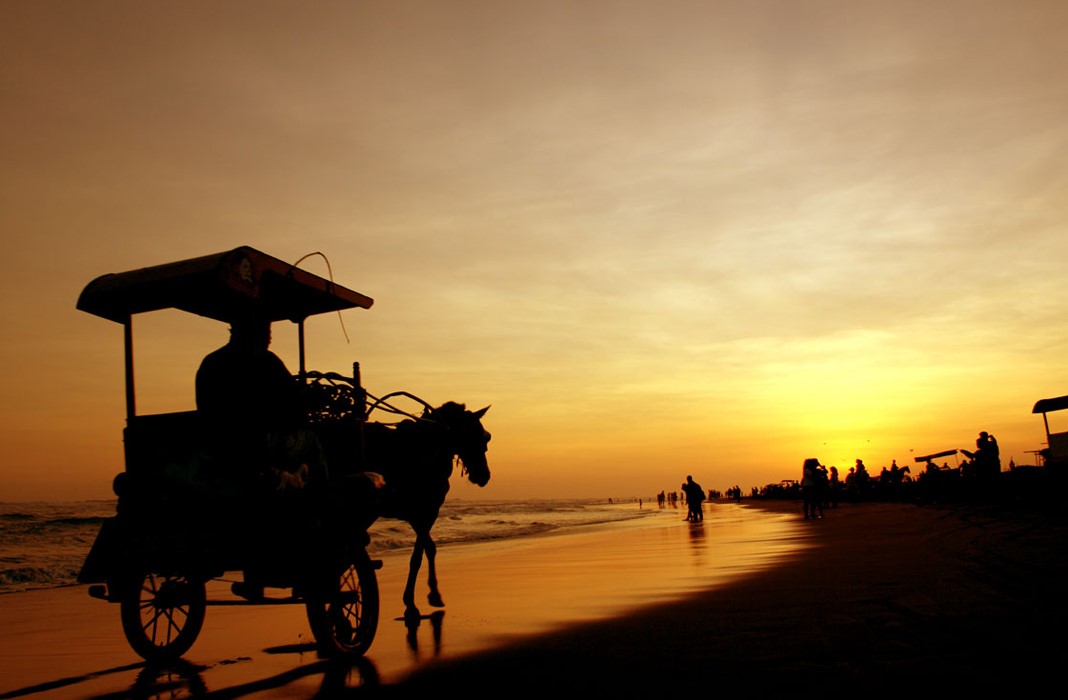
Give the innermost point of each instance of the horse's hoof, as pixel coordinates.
(435, 600)
(412, 614)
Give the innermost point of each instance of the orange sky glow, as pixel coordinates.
(660, 237)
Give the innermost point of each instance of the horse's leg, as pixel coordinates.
(434, 597)
(413, 570)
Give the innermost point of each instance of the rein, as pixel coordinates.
(383, 405)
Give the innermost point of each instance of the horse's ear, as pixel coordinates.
(481, 412)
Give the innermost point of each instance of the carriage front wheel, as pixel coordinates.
(344, 613)
(162, 614)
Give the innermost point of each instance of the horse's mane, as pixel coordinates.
(413, 433)
(447, 410)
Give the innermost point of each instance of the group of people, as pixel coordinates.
(815, 487)
(820, 486)
(986, 460)
(695, 496)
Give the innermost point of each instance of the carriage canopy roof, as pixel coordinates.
(235, 284)
(1047, 405)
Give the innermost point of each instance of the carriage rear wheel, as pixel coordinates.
(344, 614)
(162, 614)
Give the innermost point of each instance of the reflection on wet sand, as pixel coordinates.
(413, 622)
(501, 591)
(182, 678)
(68, 681)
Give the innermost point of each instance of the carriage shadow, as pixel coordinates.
(65, 682)
(340, 676)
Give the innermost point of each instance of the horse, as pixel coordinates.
(415, 459)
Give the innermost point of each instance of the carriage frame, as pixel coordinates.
(175, 531)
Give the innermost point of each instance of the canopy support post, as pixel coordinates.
(300, 344)
(131, 401)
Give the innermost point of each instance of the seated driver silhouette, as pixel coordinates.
(250, 407)
(253, 419)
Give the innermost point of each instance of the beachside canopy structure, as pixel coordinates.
(936, 455)
(1058, 442)
(1049, 405)
(237, 284)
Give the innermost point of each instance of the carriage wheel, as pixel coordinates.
(162, 615)
(344, 615)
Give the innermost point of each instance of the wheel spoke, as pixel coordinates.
(174, 628)
(170, 630)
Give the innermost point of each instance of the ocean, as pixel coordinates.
(43, 545)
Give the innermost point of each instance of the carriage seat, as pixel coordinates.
(165, 446)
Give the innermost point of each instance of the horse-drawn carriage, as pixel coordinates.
(186, 515)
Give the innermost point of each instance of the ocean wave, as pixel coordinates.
(485, 521)
(78, 521)
(44, 545)
(23, 578)
(17, 516)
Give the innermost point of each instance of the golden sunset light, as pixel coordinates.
(657, 237)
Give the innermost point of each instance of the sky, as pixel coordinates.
(658, 237)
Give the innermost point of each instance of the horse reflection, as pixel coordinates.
(412, 624)
(416, 459)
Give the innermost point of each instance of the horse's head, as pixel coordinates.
(467, 437)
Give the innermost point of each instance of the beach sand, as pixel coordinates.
(892, 598)
(873, 597)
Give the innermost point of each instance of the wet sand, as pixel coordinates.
(874, 596)
(891, 598)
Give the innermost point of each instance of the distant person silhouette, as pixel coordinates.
(812, 492)
(694, 496)
(861, 480)
(833, 486)
(988, 455)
